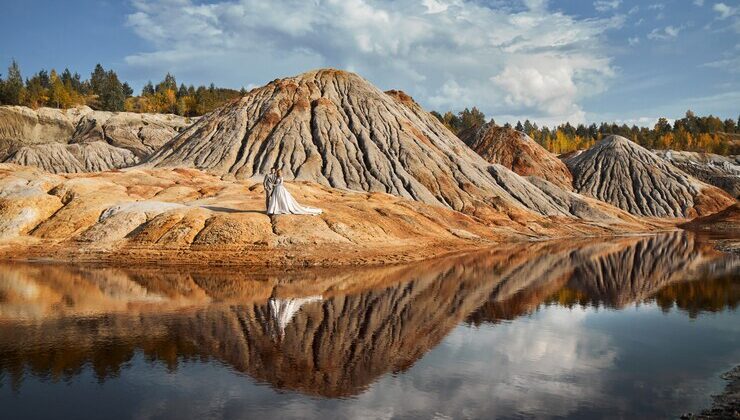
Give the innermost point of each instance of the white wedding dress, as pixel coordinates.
(282, 312)
(281, 202)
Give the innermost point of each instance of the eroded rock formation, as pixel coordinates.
(518, 152)
(335, 128)
(80, 139)
(721, 171)
(635, 179)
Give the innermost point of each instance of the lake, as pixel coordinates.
(629, 327)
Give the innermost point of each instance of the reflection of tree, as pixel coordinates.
(334, 333)
(707, 294)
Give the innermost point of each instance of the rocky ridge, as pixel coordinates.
(627, 175)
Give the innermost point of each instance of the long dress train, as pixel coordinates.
(281, 202)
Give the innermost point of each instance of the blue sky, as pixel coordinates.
(550, 61)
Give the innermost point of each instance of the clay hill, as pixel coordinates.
(518, 152)
(627, 175)
(721, 171)
(335, 128)
(81, 139)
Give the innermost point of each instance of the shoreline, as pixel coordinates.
(281, 259)
(725, 405)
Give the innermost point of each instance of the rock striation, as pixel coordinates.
(518, 152)
(721, 171)
(627, 175)
(69, 158)
(335, 128)
(81, 139)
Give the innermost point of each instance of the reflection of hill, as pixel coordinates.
(328, 333)
(612, 274)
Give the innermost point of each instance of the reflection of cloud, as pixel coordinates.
(548, 363)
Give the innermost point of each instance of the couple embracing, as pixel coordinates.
(278, 200)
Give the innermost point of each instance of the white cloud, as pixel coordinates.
(549, 83)
(435, 6)
(668, 32)
(659, 7)
(606, 5)
(699, 3)
(633, 40)
(730, 64)
(724, 10)
(447, 53)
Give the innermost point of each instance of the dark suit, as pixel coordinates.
(268, 184)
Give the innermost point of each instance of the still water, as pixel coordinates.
(637, 327)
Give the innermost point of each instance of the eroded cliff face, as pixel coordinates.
(336, 129)
(627, 175)
(518, 152)
(81, 139)
(329, 333)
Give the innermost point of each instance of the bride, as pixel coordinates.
(281, 202)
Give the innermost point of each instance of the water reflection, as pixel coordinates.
(333, 333)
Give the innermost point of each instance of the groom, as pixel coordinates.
(269, 184)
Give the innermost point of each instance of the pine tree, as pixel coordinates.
(127, 91)
(182, 92)
(148, 89)
(527, 127)
(112, 96)
(98, 80)
(13, 92)
(169, 82)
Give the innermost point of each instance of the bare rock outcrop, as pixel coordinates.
(142, 134)
(518, 152)
(71, 158)
(627, 175)
(335, 128)
(721, 171)
(81, 139)
(151, 215)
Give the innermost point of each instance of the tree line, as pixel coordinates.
(105, 91)
(691, 133)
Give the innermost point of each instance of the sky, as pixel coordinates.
(583, 61)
